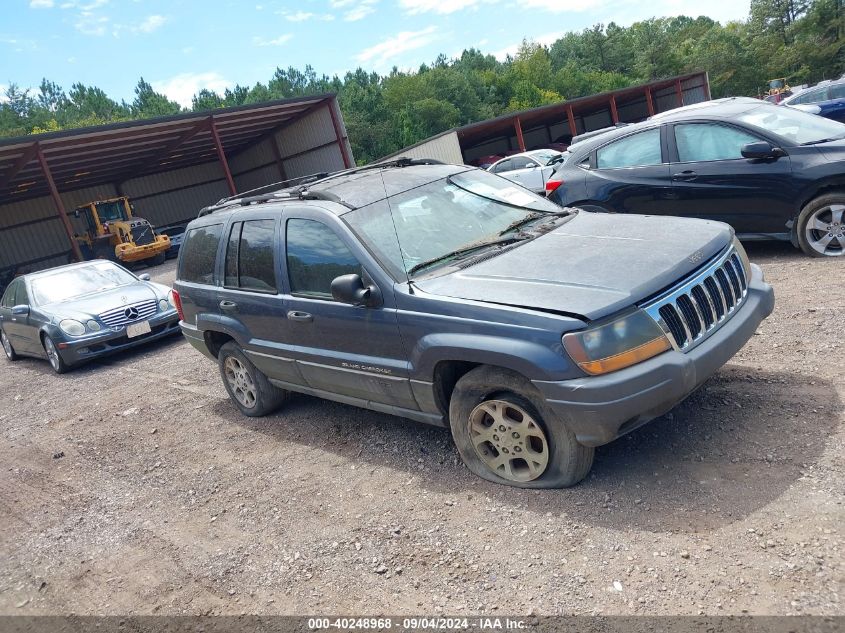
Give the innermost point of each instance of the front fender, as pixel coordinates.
(532, 360)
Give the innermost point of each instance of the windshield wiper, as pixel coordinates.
(531, 217)
(465, 250)
(824, 140)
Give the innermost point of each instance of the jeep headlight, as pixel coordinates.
(620, 343)
(72, 328)
(743, 257)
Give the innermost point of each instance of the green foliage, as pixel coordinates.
(802, 40)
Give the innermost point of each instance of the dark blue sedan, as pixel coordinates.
(827, 100)
(73, 313)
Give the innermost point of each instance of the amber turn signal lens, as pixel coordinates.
(626, 359)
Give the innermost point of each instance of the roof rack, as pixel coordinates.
(299, 187)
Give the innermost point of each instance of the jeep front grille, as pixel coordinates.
(134, 313)
(699, 305)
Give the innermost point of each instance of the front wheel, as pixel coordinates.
(248, 387)
(821, 226)
(56, 362)
(158, 259)
(506, 434)
(11, 354)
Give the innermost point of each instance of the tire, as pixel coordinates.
(53, 357)
(158, 259)
(11, 354)
(820, 227)
(549, 454)
(247, 386)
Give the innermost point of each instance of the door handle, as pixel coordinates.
(296, 315)
(685, 176)
(228, 305)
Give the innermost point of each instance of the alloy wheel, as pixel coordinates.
(52, 353)
(240, 381)
(508, 440)
(825, 230)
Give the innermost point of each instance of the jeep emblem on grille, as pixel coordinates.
(131, 313)
(696, 257)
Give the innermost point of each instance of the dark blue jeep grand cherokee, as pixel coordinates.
(451, 296)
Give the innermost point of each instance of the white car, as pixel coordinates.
(529, 169)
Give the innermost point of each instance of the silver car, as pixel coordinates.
(529, 169)
(73, 313)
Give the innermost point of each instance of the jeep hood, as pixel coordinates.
(592, 266)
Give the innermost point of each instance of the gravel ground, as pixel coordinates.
(132, 486)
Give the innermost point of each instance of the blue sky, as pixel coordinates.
(181, 46)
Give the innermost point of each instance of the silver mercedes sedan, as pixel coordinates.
(73, 313)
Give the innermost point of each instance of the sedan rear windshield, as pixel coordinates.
(802, 128)
(79, 281)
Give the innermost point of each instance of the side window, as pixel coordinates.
(524, 163)
(249, 256)
(705, 142)
(9, 295)
(837, 91)
(199, 252)
(21, 295)
(637, 150)
(811, 96)
(505, 165)
(315, 256)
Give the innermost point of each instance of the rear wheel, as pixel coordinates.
(821, 226)
(248, 387)
(505, 433)
(11, 354)
(59, 366)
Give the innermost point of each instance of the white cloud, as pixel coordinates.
(402, 42)
(354, 9)
(565, 6)
(151, 23)
(436, 6)
(3, 97)
(279, 41)
(181, 88)
(90, 24)
(40, 4)
(83, 6)
(546, 40)
(302, 16)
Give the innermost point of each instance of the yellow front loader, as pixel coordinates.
(113, 233)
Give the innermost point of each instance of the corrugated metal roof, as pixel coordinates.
(117, 152)
(474, 132)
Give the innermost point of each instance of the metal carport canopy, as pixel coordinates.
(56, 162)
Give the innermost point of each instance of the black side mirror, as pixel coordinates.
(21, 310)
(351, 289)
(144, 276)
(761, 150)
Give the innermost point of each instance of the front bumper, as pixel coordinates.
(108, 341)
(599, 409)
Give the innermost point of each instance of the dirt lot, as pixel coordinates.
(132, 486)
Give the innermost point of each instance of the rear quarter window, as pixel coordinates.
(199, 253)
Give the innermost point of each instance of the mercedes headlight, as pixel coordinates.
(72, 328)
(620, 343)
(93, 326)
(163, 305)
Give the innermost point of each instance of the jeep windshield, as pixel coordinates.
(450, 219)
